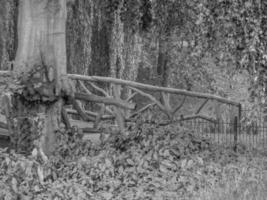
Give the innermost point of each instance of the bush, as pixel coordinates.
(150, 163)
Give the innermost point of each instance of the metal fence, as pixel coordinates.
(230, 134)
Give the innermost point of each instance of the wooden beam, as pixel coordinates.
(105, 100)
(93, 114)
(152, 88)
(189, 117)
(145, 86)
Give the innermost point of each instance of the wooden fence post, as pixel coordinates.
(235, 133)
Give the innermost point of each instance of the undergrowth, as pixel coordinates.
(150, 163)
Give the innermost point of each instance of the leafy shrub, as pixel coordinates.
(150, 163)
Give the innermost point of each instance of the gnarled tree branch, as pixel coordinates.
(179, 106)
(105, 100)
(201, 106)
(152, 88)
(142, 110)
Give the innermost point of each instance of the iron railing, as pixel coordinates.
(230, 134)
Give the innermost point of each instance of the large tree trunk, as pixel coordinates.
(88, 39)
(40, 60)
(79, 34)
(8, 18)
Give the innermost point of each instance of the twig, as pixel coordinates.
(99, 89)
(84, 87)
(142, 110)
(153, 99)
(132, 96)
(201, 106)
(179, 106)
(89, 92)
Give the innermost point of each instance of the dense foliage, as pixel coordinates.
(209, 46)
(161, 163)
(186, 44)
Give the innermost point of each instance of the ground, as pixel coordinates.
(151, 163)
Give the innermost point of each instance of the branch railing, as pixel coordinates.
(162, 101)
(115, 100)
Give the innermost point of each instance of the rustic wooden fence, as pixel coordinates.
(98, 100)
(124, 100)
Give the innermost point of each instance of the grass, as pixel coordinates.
(246, 183)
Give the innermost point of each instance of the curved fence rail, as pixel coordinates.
(123, 100)
(104, 100)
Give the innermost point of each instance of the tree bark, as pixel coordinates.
(8, 37)
(41, 59)
(163, 59)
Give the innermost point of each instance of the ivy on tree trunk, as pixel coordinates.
(40, 64)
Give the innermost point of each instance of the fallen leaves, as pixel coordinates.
(156, 164)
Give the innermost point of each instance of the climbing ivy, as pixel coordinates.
(232, 32)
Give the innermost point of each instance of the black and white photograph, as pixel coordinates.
(133, 99)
